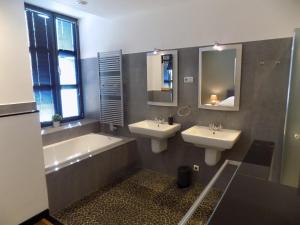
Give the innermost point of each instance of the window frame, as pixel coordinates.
(56, 86)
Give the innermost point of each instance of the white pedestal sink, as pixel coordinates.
(158, 132)
(214, 142)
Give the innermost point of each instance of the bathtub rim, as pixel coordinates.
(70, 162)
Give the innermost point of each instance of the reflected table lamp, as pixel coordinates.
(214, 99)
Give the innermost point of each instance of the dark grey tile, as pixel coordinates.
(256, 171)
(255, 201)
(90, 84)
(262, 106)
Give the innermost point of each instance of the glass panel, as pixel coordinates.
(218, 71)
(69, 102)
(44, 100)
(290, 174)
(64, 30)
(160, 78)
(42, 32)
(67, 69)
(30, 24)
(41, 68)
(168, 77)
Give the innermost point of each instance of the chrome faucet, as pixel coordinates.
(159, 120)
(215, 126)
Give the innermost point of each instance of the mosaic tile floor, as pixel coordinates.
(145, 198)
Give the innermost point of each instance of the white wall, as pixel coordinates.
(15, 75)
(23, 191)
(197, 23)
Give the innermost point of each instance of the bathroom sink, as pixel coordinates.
(158, 132)
(153, 129)
(214, 142)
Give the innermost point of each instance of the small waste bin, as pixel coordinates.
(183, 176)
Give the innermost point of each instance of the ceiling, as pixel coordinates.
(115, 8)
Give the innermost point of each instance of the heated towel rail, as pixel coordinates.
(111, 88)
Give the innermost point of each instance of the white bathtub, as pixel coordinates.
(65, 153)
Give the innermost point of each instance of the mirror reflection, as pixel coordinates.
(161, 78)
(219, 75)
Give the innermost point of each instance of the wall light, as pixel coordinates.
(217, 46)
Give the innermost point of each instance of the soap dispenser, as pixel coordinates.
(170, 120)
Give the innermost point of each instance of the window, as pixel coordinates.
(54, 51)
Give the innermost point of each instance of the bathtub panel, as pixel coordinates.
(99, 172)
(56, 186)
(122, 159)
(74, 182)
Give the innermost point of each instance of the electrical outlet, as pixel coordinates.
(196, 168)
(188, 79)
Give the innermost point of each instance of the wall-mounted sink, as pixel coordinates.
(214, 142)
(158, 132)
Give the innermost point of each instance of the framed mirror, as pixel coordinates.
(220, 77)
(162, 78)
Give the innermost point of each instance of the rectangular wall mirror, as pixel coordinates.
(220, 77)
(162, 78)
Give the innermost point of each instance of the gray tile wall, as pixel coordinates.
(90, 81)
(65, 134)
(262, 107)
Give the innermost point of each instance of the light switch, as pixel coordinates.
(188, 79)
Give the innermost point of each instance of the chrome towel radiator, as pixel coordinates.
(111, 88)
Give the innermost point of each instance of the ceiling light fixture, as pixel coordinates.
(82, 2)
(217, 46)
(156, 50)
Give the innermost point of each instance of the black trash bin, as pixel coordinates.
(184, 177)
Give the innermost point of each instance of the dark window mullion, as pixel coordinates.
(69, 86)
(56, 71)
(78, 67)
(67, 52)
(42, 49)
(43, 86)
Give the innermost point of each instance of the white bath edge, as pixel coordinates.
(54, 168)
(66, 126)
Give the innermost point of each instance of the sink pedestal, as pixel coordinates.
(159, 145)
(213, 142)
(212, 156)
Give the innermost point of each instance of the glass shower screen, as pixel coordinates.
(290, 172)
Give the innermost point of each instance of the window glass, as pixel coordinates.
(54, 58)
(64, 31)
(41, 24)
(41, 67)
(44, 100)
(69, 101)
(67, 69)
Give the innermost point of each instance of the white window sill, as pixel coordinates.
(69, 125)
